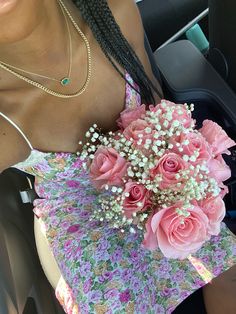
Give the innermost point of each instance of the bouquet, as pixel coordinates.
(160, 175)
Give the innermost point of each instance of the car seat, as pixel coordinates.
(23, 286)
(163, 18)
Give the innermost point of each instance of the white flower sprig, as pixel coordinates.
(143, 153)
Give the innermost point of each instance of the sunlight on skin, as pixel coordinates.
(43, 228)
(64, 296)
(206, 275)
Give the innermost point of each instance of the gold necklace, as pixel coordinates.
(65, 80)
(8, 67)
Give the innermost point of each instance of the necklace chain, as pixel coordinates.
(9, 68)
(44, 76)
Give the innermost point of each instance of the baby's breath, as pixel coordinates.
(143, 154)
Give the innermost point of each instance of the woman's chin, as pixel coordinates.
(7, 5)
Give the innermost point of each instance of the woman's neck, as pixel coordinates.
(41, 47)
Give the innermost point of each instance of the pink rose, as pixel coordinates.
(224, 190)
(168, 167)
(219, 170)
(150, 239)
(217, 137)
(179, 113)
(177, 236)
(214, 208)
(196, 143)
(107, 167)
(138, 199)
(136, 128)
(129, 115)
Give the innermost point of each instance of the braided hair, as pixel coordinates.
(100, 19)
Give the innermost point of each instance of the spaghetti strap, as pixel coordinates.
(132, 98)
(18, 129)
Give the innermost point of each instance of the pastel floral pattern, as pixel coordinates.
(105, 271)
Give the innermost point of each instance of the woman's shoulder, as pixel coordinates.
(128, 18)
(13, 146)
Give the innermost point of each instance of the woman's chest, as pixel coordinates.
(55, 124)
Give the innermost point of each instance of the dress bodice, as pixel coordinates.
(132, 98)
(65, 168)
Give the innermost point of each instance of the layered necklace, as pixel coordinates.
(65, 80)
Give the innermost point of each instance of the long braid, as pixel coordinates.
(100, 19)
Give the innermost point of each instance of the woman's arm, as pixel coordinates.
(13, 147)
(127, 16)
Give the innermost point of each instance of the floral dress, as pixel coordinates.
(104, 270)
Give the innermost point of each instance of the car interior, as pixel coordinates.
(189, 46)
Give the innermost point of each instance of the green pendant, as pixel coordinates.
(65, 81)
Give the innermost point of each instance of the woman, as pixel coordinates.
(51, 92)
